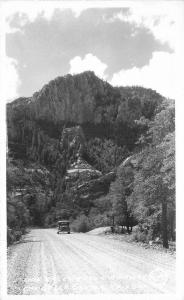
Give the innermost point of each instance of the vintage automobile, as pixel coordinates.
(63, 226)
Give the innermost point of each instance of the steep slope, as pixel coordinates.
(101, 109)
(80, 128)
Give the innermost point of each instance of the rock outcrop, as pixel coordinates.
(85, 181)
(95, 188)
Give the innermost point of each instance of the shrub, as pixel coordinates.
(13, 236)
(139, 236)
(81, 224)
(18, 235)
(10, 236)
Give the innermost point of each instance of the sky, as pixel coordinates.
(129, 45)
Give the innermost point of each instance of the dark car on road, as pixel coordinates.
(63, 226)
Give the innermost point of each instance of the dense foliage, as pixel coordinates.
(146, 191)
(115, 123)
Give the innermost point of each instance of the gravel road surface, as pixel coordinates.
(46, 263)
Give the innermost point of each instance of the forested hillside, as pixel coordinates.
(82, 150)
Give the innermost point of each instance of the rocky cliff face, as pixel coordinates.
(76, 99)
(84, 180)
(70, 100)
(80, 99)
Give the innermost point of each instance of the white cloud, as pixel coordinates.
(90, 62)
(161, 18)
(159, 75)
(31, 10)
(165, 71)
(12, 80)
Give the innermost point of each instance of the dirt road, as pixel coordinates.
(47, 263)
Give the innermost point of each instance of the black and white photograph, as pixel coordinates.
(90, 91)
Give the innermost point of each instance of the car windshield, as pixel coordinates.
(63, 223)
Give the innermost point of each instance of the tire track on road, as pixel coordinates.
(46, 263)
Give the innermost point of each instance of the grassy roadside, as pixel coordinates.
(130, 238)
(152, 245)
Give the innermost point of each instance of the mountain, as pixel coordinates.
(80, 129)
(100, 109)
